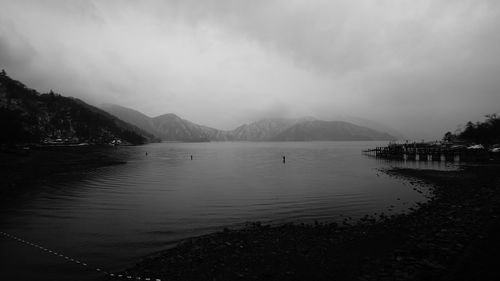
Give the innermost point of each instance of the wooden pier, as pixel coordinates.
(430, 153)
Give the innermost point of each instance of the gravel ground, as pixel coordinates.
(454, 236)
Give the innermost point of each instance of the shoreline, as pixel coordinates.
(442, 239)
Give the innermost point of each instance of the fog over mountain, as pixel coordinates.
(170, 127)
(417, 67)
(27, 116)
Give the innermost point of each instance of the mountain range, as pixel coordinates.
(170, 127)
(29, 116)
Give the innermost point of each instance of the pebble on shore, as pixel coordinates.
(426, 244)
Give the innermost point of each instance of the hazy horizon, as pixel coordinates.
(421, 68)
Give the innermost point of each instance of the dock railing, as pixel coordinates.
(430, 153)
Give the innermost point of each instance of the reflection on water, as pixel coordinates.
(110, 217)
(420, 164)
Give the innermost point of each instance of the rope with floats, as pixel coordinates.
(76, 261)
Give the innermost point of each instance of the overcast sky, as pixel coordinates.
(422, 67)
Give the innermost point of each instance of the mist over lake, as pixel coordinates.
(228, 140)
(111, 217)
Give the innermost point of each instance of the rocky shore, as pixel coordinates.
(453, 236)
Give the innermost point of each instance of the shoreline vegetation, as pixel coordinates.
(453, 236)
(30, 117)
(479, 142)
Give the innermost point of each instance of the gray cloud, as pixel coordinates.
(422, 67)
(15, 51)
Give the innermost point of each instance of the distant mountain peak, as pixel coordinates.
(171, 127)
(167, 115)
(319, 130)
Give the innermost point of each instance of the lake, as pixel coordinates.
(111, 217)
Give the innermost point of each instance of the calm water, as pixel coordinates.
(110, 217)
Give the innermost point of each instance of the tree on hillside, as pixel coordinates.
(449, 136)
(486, 132)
